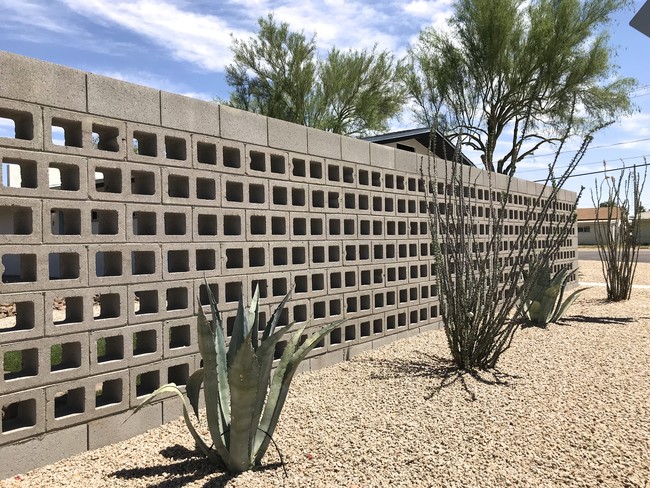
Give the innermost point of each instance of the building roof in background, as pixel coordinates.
(589, 214)
(641, 21)
(444, 148)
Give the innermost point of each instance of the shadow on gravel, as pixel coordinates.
(191, 466)
(433, 366)
(599, 320)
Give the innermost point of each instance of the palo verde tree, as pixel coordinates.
(279, 73)
(506, 63)
(617, 232)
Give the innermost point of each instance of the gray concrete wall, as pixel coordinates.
(211, 191)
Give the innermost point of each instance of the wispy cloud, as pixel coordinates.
(196, 38)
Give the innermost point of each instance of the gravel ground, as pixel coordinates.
(569, 406)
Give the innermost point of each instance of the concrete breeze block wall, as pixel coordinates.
(116, 200)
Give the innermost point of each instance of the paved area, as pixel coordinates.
(591, 254)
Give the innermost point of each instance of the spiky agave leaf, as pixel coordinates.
(289, 362)
(216, 390)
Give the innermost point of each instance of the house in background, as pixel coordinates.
(587, 225)
(644, 229)
(418, 141)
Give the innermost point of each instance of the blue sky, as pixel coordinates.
(182, 46)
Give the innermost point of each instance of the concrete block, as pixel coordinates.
(115, 98)
(27, 322)
(326, 360)
(268, 163)
(409, 161)
(173, 410)
(20, 221)
(28, 124)
(40, 451)
(189, 114)
(287, 136)
(34, 81)
(82, 134)
(116, 428)
(355, 150)
(382, 156)
(325, 144)
(246, 127)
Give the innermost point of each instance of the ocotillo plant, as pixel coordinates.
(617, 234)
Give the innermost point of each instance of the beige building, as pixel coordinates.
(589, 219)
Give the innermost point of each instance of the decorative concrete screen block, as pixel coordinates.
(114, 212)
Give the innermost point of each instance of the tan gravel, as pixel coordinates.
(569, 406)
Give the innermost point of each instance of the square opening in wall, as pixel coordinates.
(108, 392)
(17, 316)
(258, 161)
(350, 333)
(278, 164)
(106, 306)
(143, 262)
(206, 153)
(175, 224)
(104, 222)
(298, 255)
(145, 143)
(205, 189)
(19, 268)
(278, 226)
(146, 383)
(17, 220)
(106, 138)
(316, 226)
(72, 132)
(350, 279)
(256, 193)
(71, 402)
(297, 197)
(207, 225)
(318, 254)
(177, 298)
(279, 286)
(335, 336)
(279, 194)
(110, 348)
(316, 169)
(146, 301)
(260, 285)
(175, 148)
(335, 280)
(317, 199)
(317, 282)
(203, 293)
(234, 258)
(65, 356)
(205, 259)
(20, 364)
(300, 313)
(178, 261)
(145, 342)
(365, 329)
(18, 173)
(18, 415)
(63, 177)
(363, 177)
(178, 374)
(232, 225)
(143, 183)
(67, 310)
(280, 256)
(256, 257)
(63, 266)
(20, 124)
(258, 225)
(301, 284)
(299, 168)
(108, 263)
(234, 191)
(231, 157)
(179, 336)
(178, 186)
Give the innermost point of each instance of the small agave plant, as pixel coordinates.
(546, 303)
(243, 402)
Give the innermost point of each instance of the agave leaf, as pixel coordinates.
(172, 388)
(265, 355)
(243, 376)
(215, 391)
(253, 317)
(567, 303)
(273, 321)
(289, 363)
(239, 330)
(193, 388)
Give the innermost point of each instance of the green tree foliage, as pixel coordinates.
(279, 73)
(511, 72)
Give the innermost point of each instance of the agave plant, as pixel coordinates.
(243, 403)
(546, 304)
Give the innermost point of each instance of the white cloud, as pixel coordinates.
(196, 38)
(636, 126)
(33, 13)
